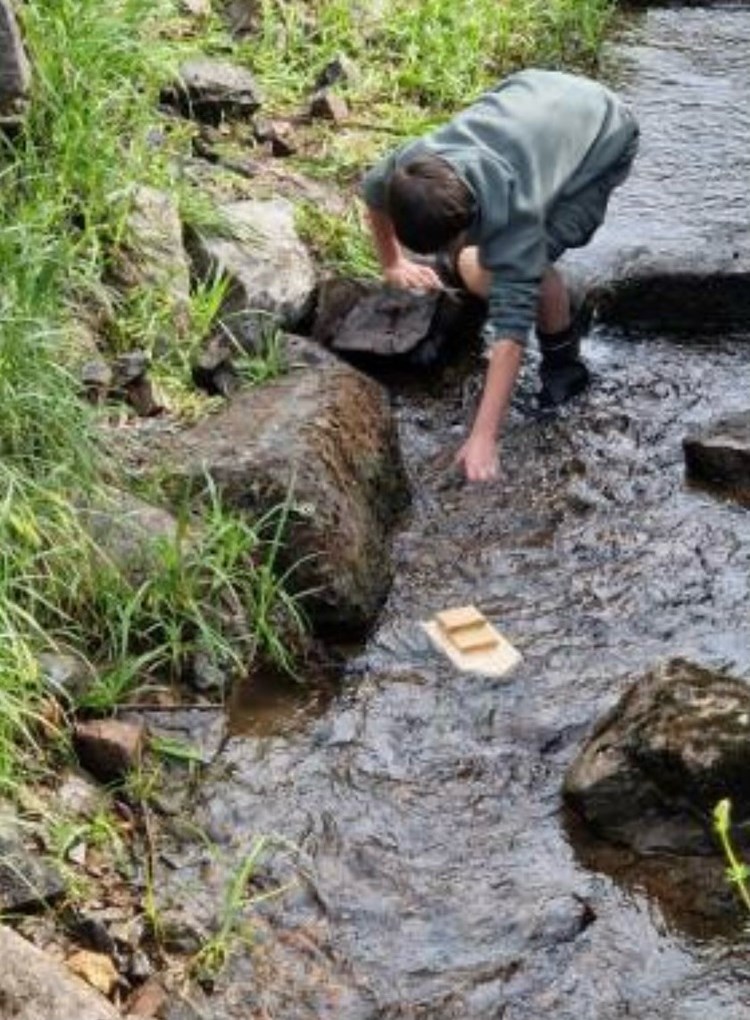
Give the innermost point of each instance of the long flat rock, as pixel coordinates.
(675, 250)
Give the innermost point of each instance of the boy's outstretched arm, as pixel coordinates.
(479, 454)
(398, 270)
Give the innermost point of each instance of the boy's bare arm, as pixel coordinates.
(479, 455)
(397, 268)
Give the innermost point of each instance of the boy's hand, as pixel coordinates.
(479, 459)
(409, 275)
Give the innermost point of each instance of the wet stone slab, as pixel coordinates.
(675, 250)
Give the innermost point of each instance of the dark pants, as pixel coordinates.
(574, 219)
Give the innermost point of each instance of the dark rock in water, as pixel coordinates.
(675, 744)
(720, 454)
(370, 323)
(214, 90)
(324, 433)
(375, 320)
(668, 294)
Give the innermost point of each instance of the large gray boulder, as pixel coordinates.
(676, 743)
(15, 74)
(34, 986)
(720, 454)
(270, 270)
(323, 433)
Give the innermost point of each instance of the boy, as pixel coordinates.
(499, 193)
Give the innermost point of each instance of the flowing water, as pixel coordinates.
(438, 875)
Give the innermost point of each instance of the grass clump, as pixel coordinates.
(68, 180)
(434, 55)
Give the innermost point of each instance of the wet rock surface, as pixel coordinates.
(676, 744)
(324, 432)
(720, 454)
(381, 329)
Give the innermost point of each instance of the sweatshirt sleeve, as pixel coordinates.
(516, 259)
(512, 246)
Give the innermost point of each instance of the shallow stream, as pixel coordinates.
(438, 874)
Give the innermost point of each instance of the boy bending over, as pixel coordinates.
(499, 193)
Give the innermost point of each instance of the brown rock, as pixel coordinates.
(96, 969)
(325, 431)
(107, 748)
(327, 105)
(148, 1000)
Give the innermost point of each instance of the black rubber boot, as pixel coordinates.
(562, 372)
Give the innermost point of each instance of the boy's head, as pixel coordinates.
(428, 204)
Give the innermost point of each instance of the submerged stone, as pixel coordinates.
(676, 743)
(720, 453)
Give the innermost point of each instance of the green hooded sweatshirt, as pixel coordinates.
(540, 140)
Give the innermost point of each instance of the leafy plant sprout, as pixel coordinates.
(738, 873)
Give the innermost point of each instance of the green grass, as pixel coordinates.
(67, 181)
(417, 62)
(432, 54)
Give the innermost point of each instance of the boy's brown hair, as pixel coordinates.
(428, 204)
